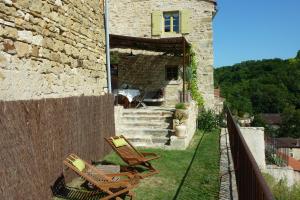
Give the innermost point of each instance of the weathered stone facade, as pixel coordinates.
(51, 48)
(133, 18)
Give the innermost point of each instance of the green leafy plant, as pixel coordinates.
(208, 121)
(188, 74)
(180, 117)
(272, 158)
(193, 86)
(180, 106)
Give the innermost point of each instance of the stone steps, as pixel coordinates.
(144, 141)
(137, 132)
(146, 118)
(147, 127)
(146, 124)
(148, 114)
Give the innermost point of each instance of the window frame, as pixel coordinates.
(171, 13)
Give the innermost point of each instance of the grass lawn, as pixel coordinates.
(184, 175)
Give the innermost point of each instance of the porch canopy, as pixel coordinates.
(176, 45)
(171, 45)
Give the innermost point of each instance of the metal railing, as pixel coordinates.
(250, 182)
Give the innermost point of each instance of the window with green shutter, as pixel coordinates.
(171, 22)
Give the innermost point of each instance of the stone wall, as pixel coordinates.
(255, 139)
(296, 153)
(133, 18)
(51, 48)
(147, 72)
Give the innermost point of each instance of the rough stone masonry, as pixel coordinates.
(133, 18)
(51, 48)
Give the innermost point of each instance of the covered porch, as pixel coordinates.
(153, 70)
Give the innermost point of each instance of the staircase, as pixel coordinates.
(149, 127)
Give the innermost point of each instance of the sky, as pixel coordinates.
(256, 29)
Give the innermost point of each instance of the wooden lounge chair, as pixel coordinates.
(132, 156)
(115, 185)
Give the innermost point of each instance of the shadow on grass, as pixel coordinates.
(188, 169)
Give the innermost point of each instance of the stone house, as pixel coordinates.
(51, 49)
(164, 19)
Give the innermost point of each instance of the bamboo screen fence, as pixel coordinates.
(36, 135)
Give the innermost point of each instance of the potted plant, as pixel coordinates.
(179, 122)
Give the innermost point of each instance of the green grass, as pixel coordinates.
(184, 175)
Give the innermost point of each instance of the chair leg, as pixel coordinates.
(131, 195)
(151, 172)
(115, 195)
(144, 105)
(141, 103)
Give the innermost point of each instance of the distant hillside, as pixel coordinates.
(263, 86)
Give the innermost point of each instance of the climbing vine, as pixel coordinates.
(193, 86)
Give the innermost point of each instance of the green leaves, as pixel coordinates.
(298, 55)
(193, 86)
(208, 121)
(290, 122)
(265, 86)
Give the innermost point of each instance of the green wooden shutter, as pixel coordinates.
(156, 23)
(185, 24)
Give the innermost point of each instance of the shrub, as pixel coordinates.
(180, 106)
(208, 121)
(272, 158)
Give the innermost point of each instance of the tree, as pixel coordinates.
(290, 126)
(298, 55)
(263, 86)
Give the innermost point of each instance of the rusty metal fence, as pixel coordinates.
(250, 182)
(36, 135)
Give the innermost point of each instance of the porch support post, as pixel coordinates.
(183, 78)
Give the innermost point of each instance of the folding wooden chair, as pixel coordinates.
(131, 155)
(115, 185)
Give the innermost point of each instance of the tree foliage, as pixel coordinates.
(290, 122)
(298, 55)
(263, 86)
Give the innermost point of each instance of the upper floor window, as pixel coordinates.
(171, 22)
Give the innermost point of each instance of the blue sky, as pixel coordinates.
(256, 29)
